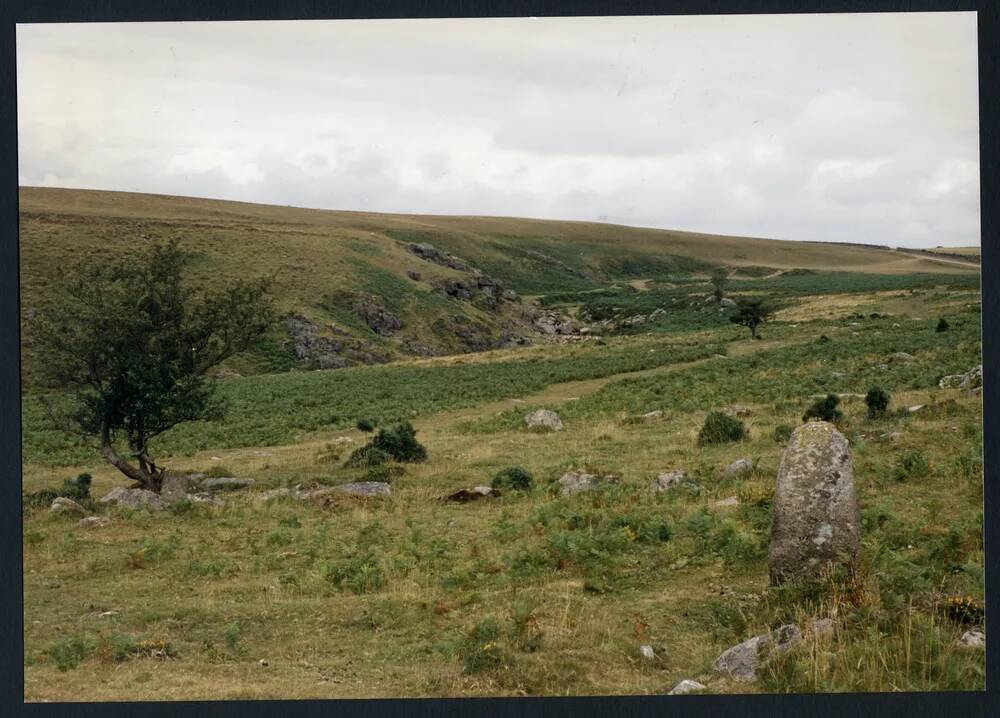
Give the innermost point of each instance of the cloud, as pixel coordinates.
(820, 127)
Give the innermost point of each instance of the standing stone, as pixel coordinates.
(816, 519)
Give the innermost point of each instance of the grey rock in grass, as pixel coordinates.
(175, 486)
(727, 302)
(973, 639)
(226, 483)
(742, 661)
(476, 492)
(901, 358)
(737, 410)
(816, 518)
(94, 522)
(822, 627)
(686, 686)
(204, 497)
(576, 481)
(543, 420)
(647, 652)
(740, 466)
(669, 479)
(365, 488)
(655, 414)
(134, 499)
(62, 505)
(971, 379)
(272, 494)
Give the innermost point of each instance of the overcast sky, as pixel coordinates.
(857, 128)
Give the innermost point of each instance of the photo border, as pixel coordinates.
(913, 705)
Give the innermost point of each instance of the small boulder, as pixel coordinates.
(543, 420)
(175, 486)
(668, 480)
(365, 489)
(973, 639)
(413, 274)
(226, 483)
(647, 652)
(686, 686)
(740, 466)
(62, 505)
(134, 499)
(204, 497)
(742, 661)
(476, 492)
(816, 518)
(737, 411)
(652, 415)
(94, 522)
(901, 358)
(576, 481)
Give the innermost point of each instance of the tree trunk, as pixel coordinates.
(109, 453)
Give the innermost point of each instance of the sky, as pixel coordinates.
(849, 128)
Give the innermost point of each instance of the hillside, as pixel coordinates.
(357, 293)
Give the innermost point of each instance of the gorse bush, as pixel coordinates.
(824, 409)
(481, 650)
(942, 325)
(400, 442)
(367, 456)
(513, 478)
(77, 489)
(365, 425)
(720, 428)
(782, 433)
(877, 399)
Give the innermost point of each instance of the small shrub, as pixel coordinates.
(77, 489)
(912, 466)
(367, 456)
(782, 433)
(361, 574)
(942, 325)
(69, 653)
(825, 409)
(480, 649)
(513, 478)
(721, 428)
(366, 425)
(399, 441)
(823, 339)
(877, 399)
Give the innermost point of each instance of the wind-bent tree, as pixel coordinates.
(132, 343)
(719, 278)
(751, 312)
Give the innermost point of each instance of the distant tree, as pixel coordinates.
(719, 278)
(133, 343)
(751, 312)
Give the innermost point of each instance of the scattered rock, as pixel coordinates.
(267, 453)
(431, 254)
(647, 652)
(816, 519)
(107, 614)
(741, 662)
(204, 497)
(822, 627)
(972, 379)
(226, 483)
(263, 662)
(655, 414)
(576, 481)
(901, 358)
(175, 486)
(273, 494)
(737, 410)
(476, 492)
(365, 488)
(686, 686)
(892, 436)
(379, 319)
(413, 274)
(62, 505)
(973, 639)
(544, 420)
(669, 479)
(727, 303)
(740, 466)
(94, 522)
(134, 499)
(915, 409)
